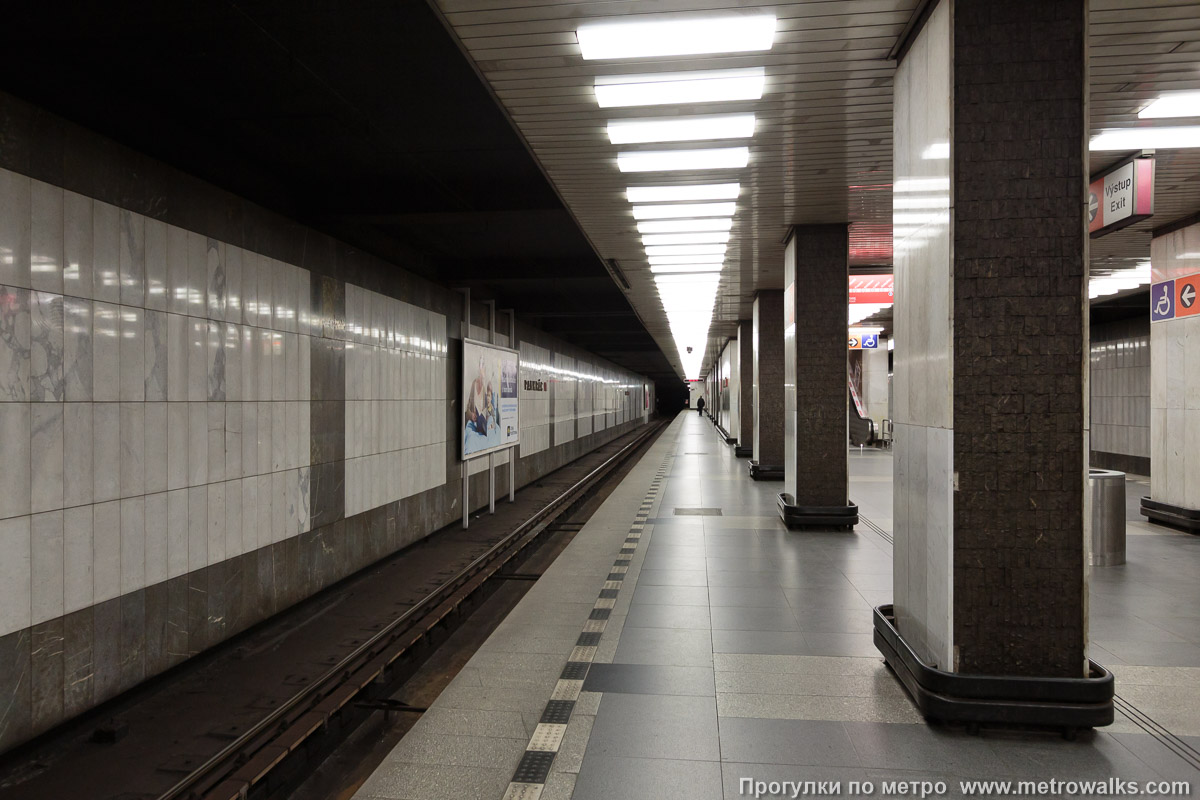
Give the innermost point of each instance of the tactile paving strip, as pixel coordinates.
(531, 774)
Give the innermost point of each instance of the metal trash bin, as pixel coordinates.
(1108, 517)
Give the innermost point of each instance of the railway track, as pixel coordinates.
(265, 746)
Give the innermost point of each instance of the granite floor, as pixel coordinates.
(735, 650)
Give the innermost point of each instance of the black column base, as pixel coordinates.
(1067, 704)
(725, 434)
(794, 516)
(765, 472)
(1180, 517)
(743, 452)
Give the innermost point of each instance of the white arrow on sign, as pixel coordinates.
(1187, 295)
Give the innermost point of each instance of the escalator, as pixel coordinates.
(862, 428)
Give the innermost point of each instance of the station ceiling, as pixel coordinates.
(462, 138)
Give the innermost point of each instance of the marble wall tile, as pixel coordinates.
(78, 559)
(14, 343)
(197, 275)
(234, 545)
(106, 352)
(197, 528)
(133, 259)
(47, 563)
(106, 649)
(216, 442)
(233, 441)
(15, 217)
(15, 420)
(156, 264)
(77, 245)
(178, 430)
(215, 366)
(133, 544)
(106, 252)
(46, 456)
(249, 418)
(77, 350)
(262, 527)
(133, 639)
(249, 526)
(155, 460)
(157, 566)
(78, 691)
(132, 354)
(106, 544)
(46, 315)
(197, 444)
(177, 533)
(215, 279)
(46, 238)
(106, 451)
(156, 356)
(78, 437)
(216, 523)
(46, 667)
(233, 284)
(16, 608)
(177, 270)
(177, 357)
(133, 449)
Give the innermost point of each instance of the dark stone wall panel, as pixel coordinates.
(1020, 274)
(768, 374)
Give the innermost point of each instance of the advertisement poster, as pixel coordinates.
(490, 401)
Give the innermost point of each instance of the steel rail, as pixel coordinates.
(340, 673)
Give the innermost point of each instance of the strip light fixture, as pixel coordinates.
(671, 194)
(686, 250)
(682, 210)
(1182, 104)
(680, 129)
(661, 269)
(674, 160)
(680, 88)
(685, 225)
(677, 36)
(1147, 139)
(711, 258)
(711, 237)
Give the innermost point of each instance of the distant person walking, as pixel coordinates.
(700, 406)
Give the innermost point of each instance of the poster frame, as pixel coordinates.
(462, 394)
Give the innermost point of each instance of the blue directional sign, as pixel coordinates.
(1162, 301)
(870, 341)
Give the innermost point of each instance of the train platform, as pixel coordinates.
(687, 645)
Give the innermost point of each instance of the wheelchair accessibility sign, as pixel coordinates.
(1162, 301)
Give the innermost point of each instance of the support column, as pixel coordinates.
(1175, 381)
(875, 384)
(990, 371)
(815, 302)
(745, 351)
(767, 401)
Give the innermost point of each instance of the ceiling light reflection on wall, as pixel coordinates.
(680, 88)
(673, 160)
(1182, 104)
(670, 194)
(684, 210)
(681, 129)
(686, 250)
(677, 36)
(1147, 139)
(712, 237)
(685, 225)
(938, 151)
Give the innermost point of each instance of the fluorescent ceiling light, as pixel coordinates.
(681, 129)
(669, 194)
(712, 237)
(1147, 139)
(675, 268)
(680, 88)
(684, 210)
(1183, 104)
(711, 258)
(1188, 255)
(686, 250)
(685, 225)
(671, 160)
(677, 36)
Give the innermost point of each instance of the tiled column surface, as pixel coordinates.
(1119, 380)
(991, 395)
(1175, 380)
(816, 293)
(875, 382)
(196, 435)
(768, 378)
(745, 346)
(727, 385)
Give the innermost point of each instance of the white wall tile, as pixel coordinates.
(133, 544)
(157, 547)
(78, 558)
(46, 456)
(177, 532)
(106, 252)
(46, 534)
(106, 543)
(15, 589)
